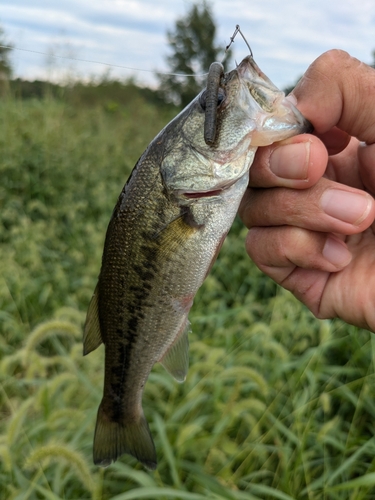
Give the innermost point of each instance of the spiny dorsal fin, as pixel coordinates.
(176, 359)
(92, 337)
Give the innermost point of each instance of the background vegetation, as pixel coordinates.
(193, 48)
(276, 404)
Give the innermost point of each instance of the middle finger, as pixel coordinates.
(327, 206)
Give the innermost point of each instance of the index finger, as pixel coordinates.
(339, 90)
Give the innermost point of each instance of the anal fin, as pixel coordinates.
(176, 359)
(92, 337)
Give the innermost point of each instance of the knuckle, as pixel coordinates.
(336, 56)
(332, 60)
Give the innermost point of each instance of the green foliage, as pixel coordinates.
(62, 168)
(107, 92)
(193, 48)
(25, 89)
(276, 405)
(5, 65)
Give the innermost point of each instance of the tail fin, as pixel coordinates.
(113, 439)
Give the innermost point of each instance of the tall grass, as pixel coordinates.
(277, 405)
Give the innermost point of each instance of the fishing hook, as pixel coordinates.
(215, 73)
(236, 31)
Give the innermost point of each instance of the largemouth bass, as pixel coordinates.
(166, 230)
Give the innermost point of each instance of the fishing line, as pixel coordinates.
(237, 30)
(95, 62)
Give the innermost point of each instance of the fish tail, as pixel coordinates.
(112, 439)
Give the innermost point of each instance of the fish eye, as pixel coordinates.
(220, 96)
(203, 96)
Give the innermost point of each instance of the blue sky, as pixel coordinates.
(285, 36)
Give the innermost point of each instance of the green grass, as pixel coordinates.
(276, 405)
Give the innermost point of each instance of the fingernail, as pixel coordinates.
(291, 161)
(346, 206)
(336, 252)
(292, 98)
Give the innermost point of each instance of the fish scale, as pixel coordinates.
(165, 232)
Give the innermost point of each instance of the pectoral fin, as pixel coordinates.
(92, 337)
(176, 359)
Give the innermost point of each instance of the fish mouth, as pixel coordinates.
(249, 70)
(279, 118)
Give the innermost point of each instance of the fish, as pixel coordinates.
(165, 233)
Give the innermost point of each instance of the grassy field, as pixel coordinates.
(277, 405)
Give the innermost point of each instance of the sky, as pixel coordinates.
(285, 36)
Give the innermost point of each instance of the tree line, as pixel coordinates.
(192, 45)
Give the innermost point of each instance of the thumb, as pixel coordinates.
(338, 89)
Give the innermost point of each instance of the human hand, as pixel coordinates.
(310, 205)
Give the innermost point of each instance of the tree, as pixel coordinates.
(193, 50)
(5, 65)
